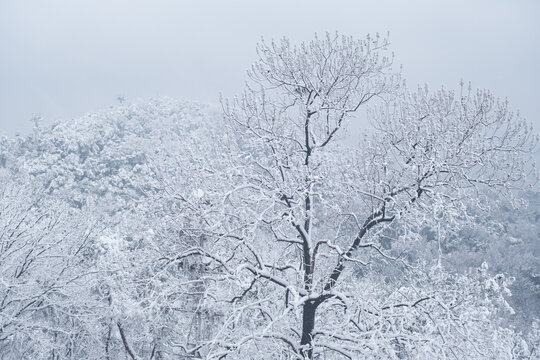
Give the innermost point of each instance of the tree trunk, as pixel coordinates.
(308, 324)
(126, 344)
(108, 342)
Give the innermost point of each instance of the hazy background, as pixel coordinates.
(61, 59)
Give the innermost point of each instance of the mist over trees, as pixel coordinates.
(171, 230)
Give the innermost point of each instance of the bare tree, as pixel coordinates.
(305, 217)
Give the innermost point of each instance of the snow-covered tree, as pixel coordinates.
(44, 269)
(297, 239)
(85, 204)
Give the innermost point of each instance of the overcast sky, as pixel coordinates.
(62, 59)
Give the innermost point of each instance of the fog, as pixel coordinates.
(62, 59)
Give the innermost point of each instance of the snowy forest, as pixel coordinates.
(279, 224)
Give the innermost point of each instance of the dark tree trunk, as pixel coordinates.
(126, 344)
(108, 342)
(308, 324)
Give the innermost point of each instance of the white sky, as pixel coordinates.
(61, 59)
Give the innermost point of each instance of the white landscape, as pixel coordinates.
(329, 210)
